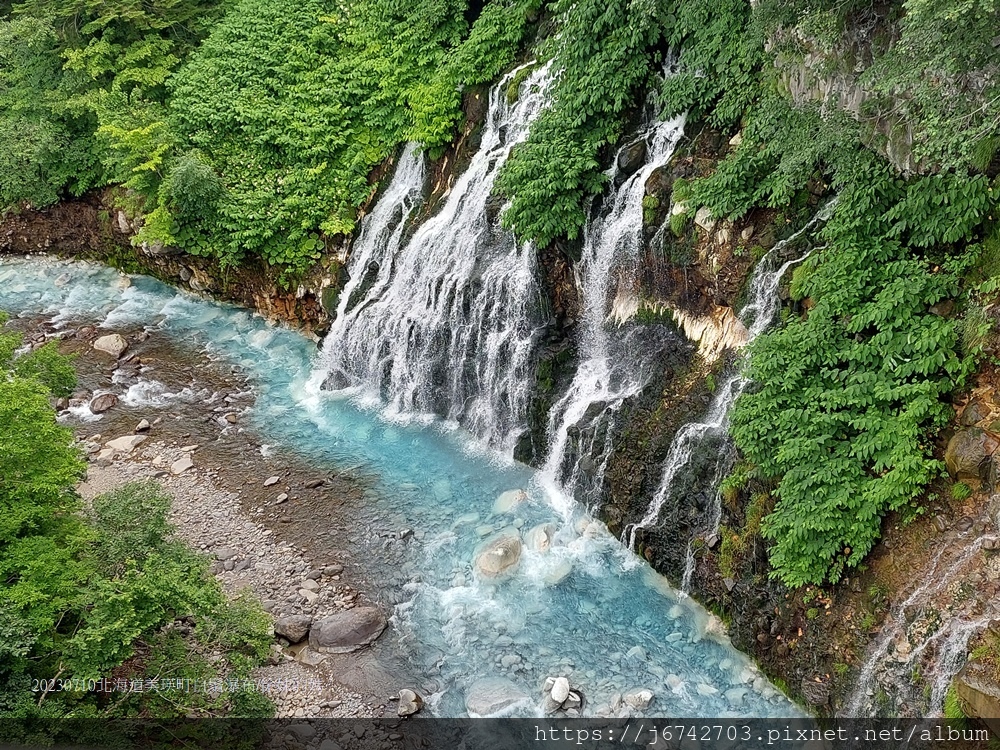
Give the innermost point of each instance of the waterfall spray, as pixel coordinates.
(448, 327)
(612, 367)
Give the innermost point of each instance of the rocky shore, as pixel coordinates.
(146, 411)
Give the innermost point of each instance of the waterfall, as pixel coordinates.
(910, 642)
(378, 243)
(448, 325)
(758, 315)
(612, 365)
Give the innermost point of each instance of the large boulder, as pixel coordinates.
(632, 157)
(492, 695)
(968, 453)
(112, 344)
(347, 631)
(499, 556)
(100, 404)
(293, 628)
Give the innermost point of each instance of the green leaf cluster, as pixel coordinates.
(79, 590)
(608, 54)
(850, 393)
(82, 86)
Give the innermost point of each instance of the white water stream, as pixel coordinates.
(612, 365)
(448, 325)
(758, 315)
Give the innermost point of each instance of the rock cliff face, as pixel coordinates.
(829, 75)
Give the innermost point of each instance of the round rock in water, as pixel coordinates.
(112, 344)
(499, 556)
(100, 404)
(509, 500)
(539, 538)
(560, 689)
(409, 702)
(491, 695)
(347, 631)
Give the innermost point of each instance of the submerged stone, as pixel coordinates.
(491, 695)
(509, 500)
(499, 556)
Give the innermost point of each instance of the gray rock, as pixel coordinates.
(632, 157)
(112, 344)
(409, 702)
(271, 481)
(102, 403)
(293, 627)
(703, 218)
(224, 553)
(143, 426)
(816, 691)
(499, 556)
(539, 538)
(639, 699)
(974, 412)
(302, 731)
(310, 584)
(967, 451)
(125, 444)
(347, 631)
(309, 657)
(181, 465)
(490, 695)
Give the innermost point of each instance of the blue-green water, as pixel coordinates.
(585, 607)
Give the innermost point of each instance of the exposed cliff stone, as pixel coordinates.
(814, 73)
(978, 688)
(970, 453)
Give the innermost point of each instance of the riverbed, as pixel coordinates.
(579, 605)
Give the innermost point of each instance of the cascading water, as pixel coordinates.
(374, 251)
(918, 652)
(613, 366)
(448, 325)
(710, 433)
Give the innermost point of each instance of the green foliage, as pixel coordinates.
(953, 706)
(849, 394)
(50, 368)
(960, 491)
(77, 594)
(941, 60)
(489, 49)
(284, 111)
(46, 146)
(602, 52)
(81, 89)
